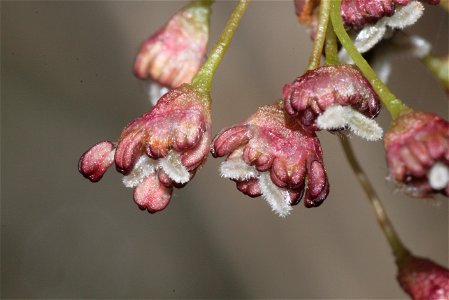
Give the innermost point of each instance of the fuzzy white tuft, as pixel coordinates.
(365, 127)
(171, 164)
(334, 117)
(339, 117)
(438, 176)
(369, 36)
(405, 16)
(237, 169)
(277, 198)
(144, 167)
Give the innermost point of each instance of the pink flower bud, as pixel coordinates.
(271, 155)
(152, 195)
(423, 279)
(95, 161)
(160, 150)
(417, 150)
(314, 92)
(174, 54)
(357, 13)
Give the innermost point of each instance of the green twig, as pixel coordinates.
(395, 106)
(399, 250)
(318, 43)
(331, 48)
(203, 78)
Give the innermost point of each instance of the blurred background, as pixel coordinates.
(66, 83)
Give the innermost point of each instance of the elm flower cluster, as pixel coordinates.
(417, 149)
(158, 151)
(270, 155)
(174, 54)
(334, 98)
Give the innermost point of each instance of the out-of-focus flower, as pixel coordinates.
(271, 155)
(304, 9)
(334, 98)
(417, 150)
(158, 151)
(439, 66)
(423, 279)
(173, 55)
(400, 45)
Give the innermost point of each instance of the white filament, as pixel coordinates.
(277, 198)
(405, 16)
(237, 169)
(339, 117)
(172, 166)
(144, 167)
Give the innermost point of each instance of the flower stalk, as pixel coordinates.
(203, 79)
(395, 106)
(320, 36)
(399, 250)
(331, 48)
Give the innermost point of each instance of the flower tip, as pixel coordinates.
(96, 160)
(151, 195)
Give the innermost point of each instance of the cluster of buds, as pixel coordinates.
(334, 98)
(158, 151)
(271, 155)
(275, 153)
(417, 149)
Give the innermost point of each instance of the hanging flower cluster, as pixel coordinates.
(275, 153)
(272, 155)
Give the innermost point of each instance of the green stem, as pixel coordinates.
(331, 48)
(317, 51)
(399, 250)
(203, 79)
(439, 66)
(395, 106)
(203, 3)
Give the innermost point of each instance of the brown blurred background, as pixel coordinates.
(66, 83)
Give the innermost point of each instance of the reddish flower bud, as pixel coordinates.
(271, 155)
(313, 93)
(374, 18)
(423, 279)
(357, 13)
(174, 54)
(152, 195)
(304, 9)
(417, 150)
(95, 161)
(160, 150)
